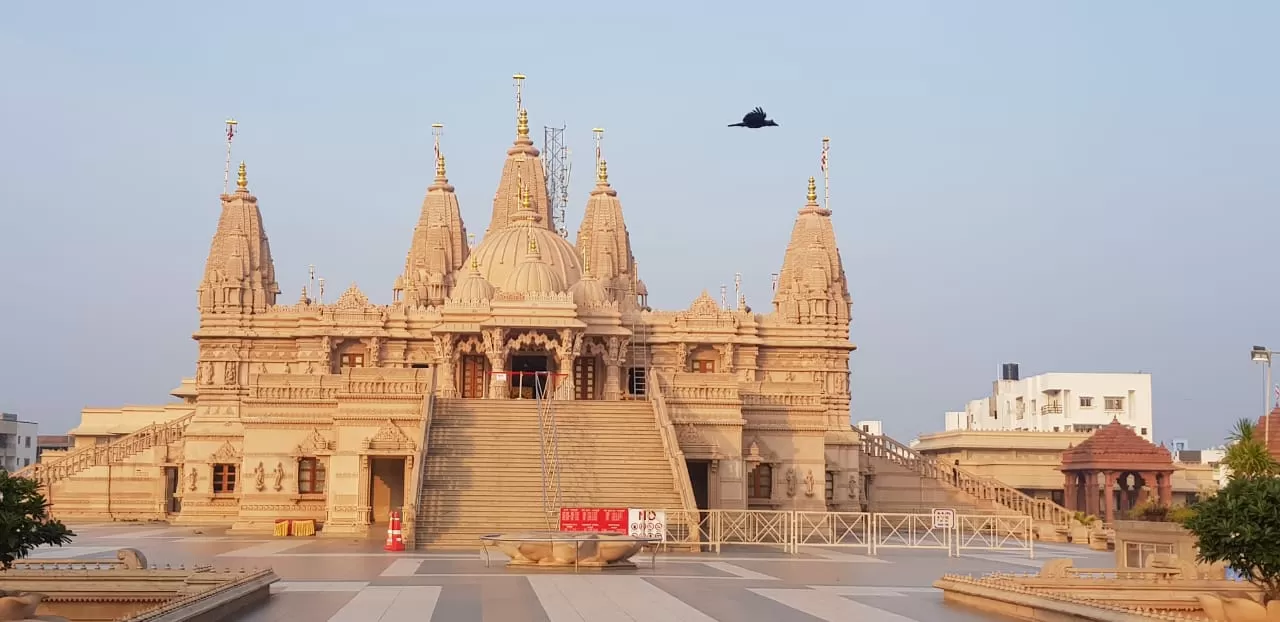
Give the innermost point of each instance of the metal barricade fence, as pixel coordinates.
(985, 532)
(832, 529)
(700, 530)
(910, 531)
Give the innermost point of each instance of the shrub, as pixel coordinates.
(24, 520)
(1241, 527)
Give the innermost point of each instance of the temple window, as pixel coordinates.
(224, 478)
(704, 367)
(830, 486)
(760, 483)
(352, 359)
(310, 476)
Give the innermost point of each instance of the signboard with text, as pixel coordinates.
(594, 519)
(651, 524)
(944, 519)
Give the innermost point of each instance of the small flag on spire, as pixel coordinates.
(825, 145)
(1277, 395)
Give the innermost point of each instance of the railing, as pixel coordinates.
(671, 447)
(409, 524)
(531, 385)
(1040, 510)
(791, 529)
(549, 453)
(113, 452)
(1051, 409)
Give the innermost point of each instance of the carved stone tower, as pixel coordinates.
(604, 242)
(439, 248)
(811, 286)
(521, 169)
(239, 277)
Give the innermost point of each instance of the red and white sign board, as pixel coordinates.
(604, 520)
(651, 524)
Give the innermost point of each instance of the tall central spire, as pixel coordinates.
(522, 169)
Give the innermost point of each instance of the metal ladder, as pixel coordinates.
(639, 347)
(549, 444)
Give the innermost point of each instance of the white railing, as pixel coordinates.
(409, 517)
(994, 533)
(871, 532)
(671, 443)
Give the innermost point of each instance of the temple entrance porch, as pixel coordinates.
(529, 375)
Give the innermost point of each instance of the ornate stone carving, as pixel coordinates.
(615, 352)
(278, 475)
(229, 373)
(389, 438)
(259, 478)
(262, 367)
(191, 479)
(855, 484)
(315, 443)
(704, 306)
(791, 482)
(288, 367)
(726, 358)
(809, 484)
(226, 454)
(205, 375)
(374, 351)
(682, 356)
(311, 368)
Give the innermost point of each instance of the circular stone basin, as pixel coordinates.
(567, 549)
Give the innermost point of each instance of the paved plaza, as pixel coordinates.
(354, 580)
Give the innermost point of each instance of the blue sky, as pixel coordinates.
(1075, 186)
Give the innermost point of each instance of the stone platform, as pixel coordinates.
(354, 580)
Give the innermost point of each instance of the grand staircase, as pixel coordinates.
(486, 460)
(903, 480)
(79, 460)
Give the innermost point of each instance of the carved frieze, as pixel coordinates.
(226, 454)
(314, 444)
(389, 438)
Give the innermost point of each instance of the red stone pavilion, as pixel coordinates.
(1115, 470)
(1268, 431)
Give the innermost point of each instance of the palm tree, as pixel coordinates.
(1246, 455)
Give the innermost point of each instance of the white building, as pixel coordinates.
(1059, 402)
(17, 442)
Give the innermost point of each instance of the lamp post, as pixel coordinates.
(1262, 355)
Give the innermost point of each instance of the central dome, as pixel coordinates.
(502, 251)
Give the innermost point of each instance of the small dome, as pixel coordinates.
(503, 251)
(532, 276)
(642, 289)
(589, 291)
(473, 287)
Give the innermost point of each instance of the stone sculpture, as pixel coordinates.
(191, 479)
(791, 482)
(809, 484)
(259, 478)
(278, 475)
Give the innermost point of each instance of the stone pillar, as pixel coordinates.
(613, 358)
(564, 367)
(1109, 495)
(1166, 489)
(497, 376)
(1069, 491)
(1149, 487)
(1091, 493)
(446, 357)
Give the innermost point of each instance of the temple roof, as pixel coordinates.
(1116, 446)
(521, 173)
(502, 251)
(239, 276)
(438, 248)
(812, 288)
(604, 242)
(1272, 440)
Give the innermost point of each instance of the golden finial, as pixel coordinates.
(440, 166)
(525, 202)
(533, 246)
(602, 172)
(813, 190)
(242, 178)
(475, 265)
(522, 123)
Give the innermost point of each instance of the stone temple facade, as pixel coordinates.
(325, 411)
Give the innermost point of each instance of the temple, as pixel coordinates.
(527, 363)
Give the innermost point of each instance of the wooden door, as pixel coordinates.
(473, 377)
(584, 378)
(704, 367)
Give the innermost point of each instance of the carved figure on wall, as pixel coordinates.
(791, 376)
(206, 373)
(262, 367)
(259, 478)
(311, 368)
(791, 482)
(288, 367)
(229, 373)
(278, 475)
(855, 485)
(726, 358)
(682, 357)
(191, 479)
(809, 483)
(374, 350)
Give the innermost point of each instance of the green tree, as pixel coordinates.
(1241, 527)
(1247, 455)
(24, 520)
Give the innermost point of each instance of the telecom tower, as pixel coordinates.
(555, 161)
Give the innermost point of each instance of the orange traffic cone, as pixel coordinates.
(395, 542)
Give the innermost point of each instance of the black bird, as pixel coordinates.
(755, 119)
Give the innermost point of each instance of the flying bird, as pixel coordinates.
(755, 119)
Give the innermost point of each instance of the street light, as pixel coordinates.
(1262, 355)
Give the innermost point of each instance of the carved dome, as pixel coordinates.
(473, 288)
(589, 291)
(502, 252)
(532, 276)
